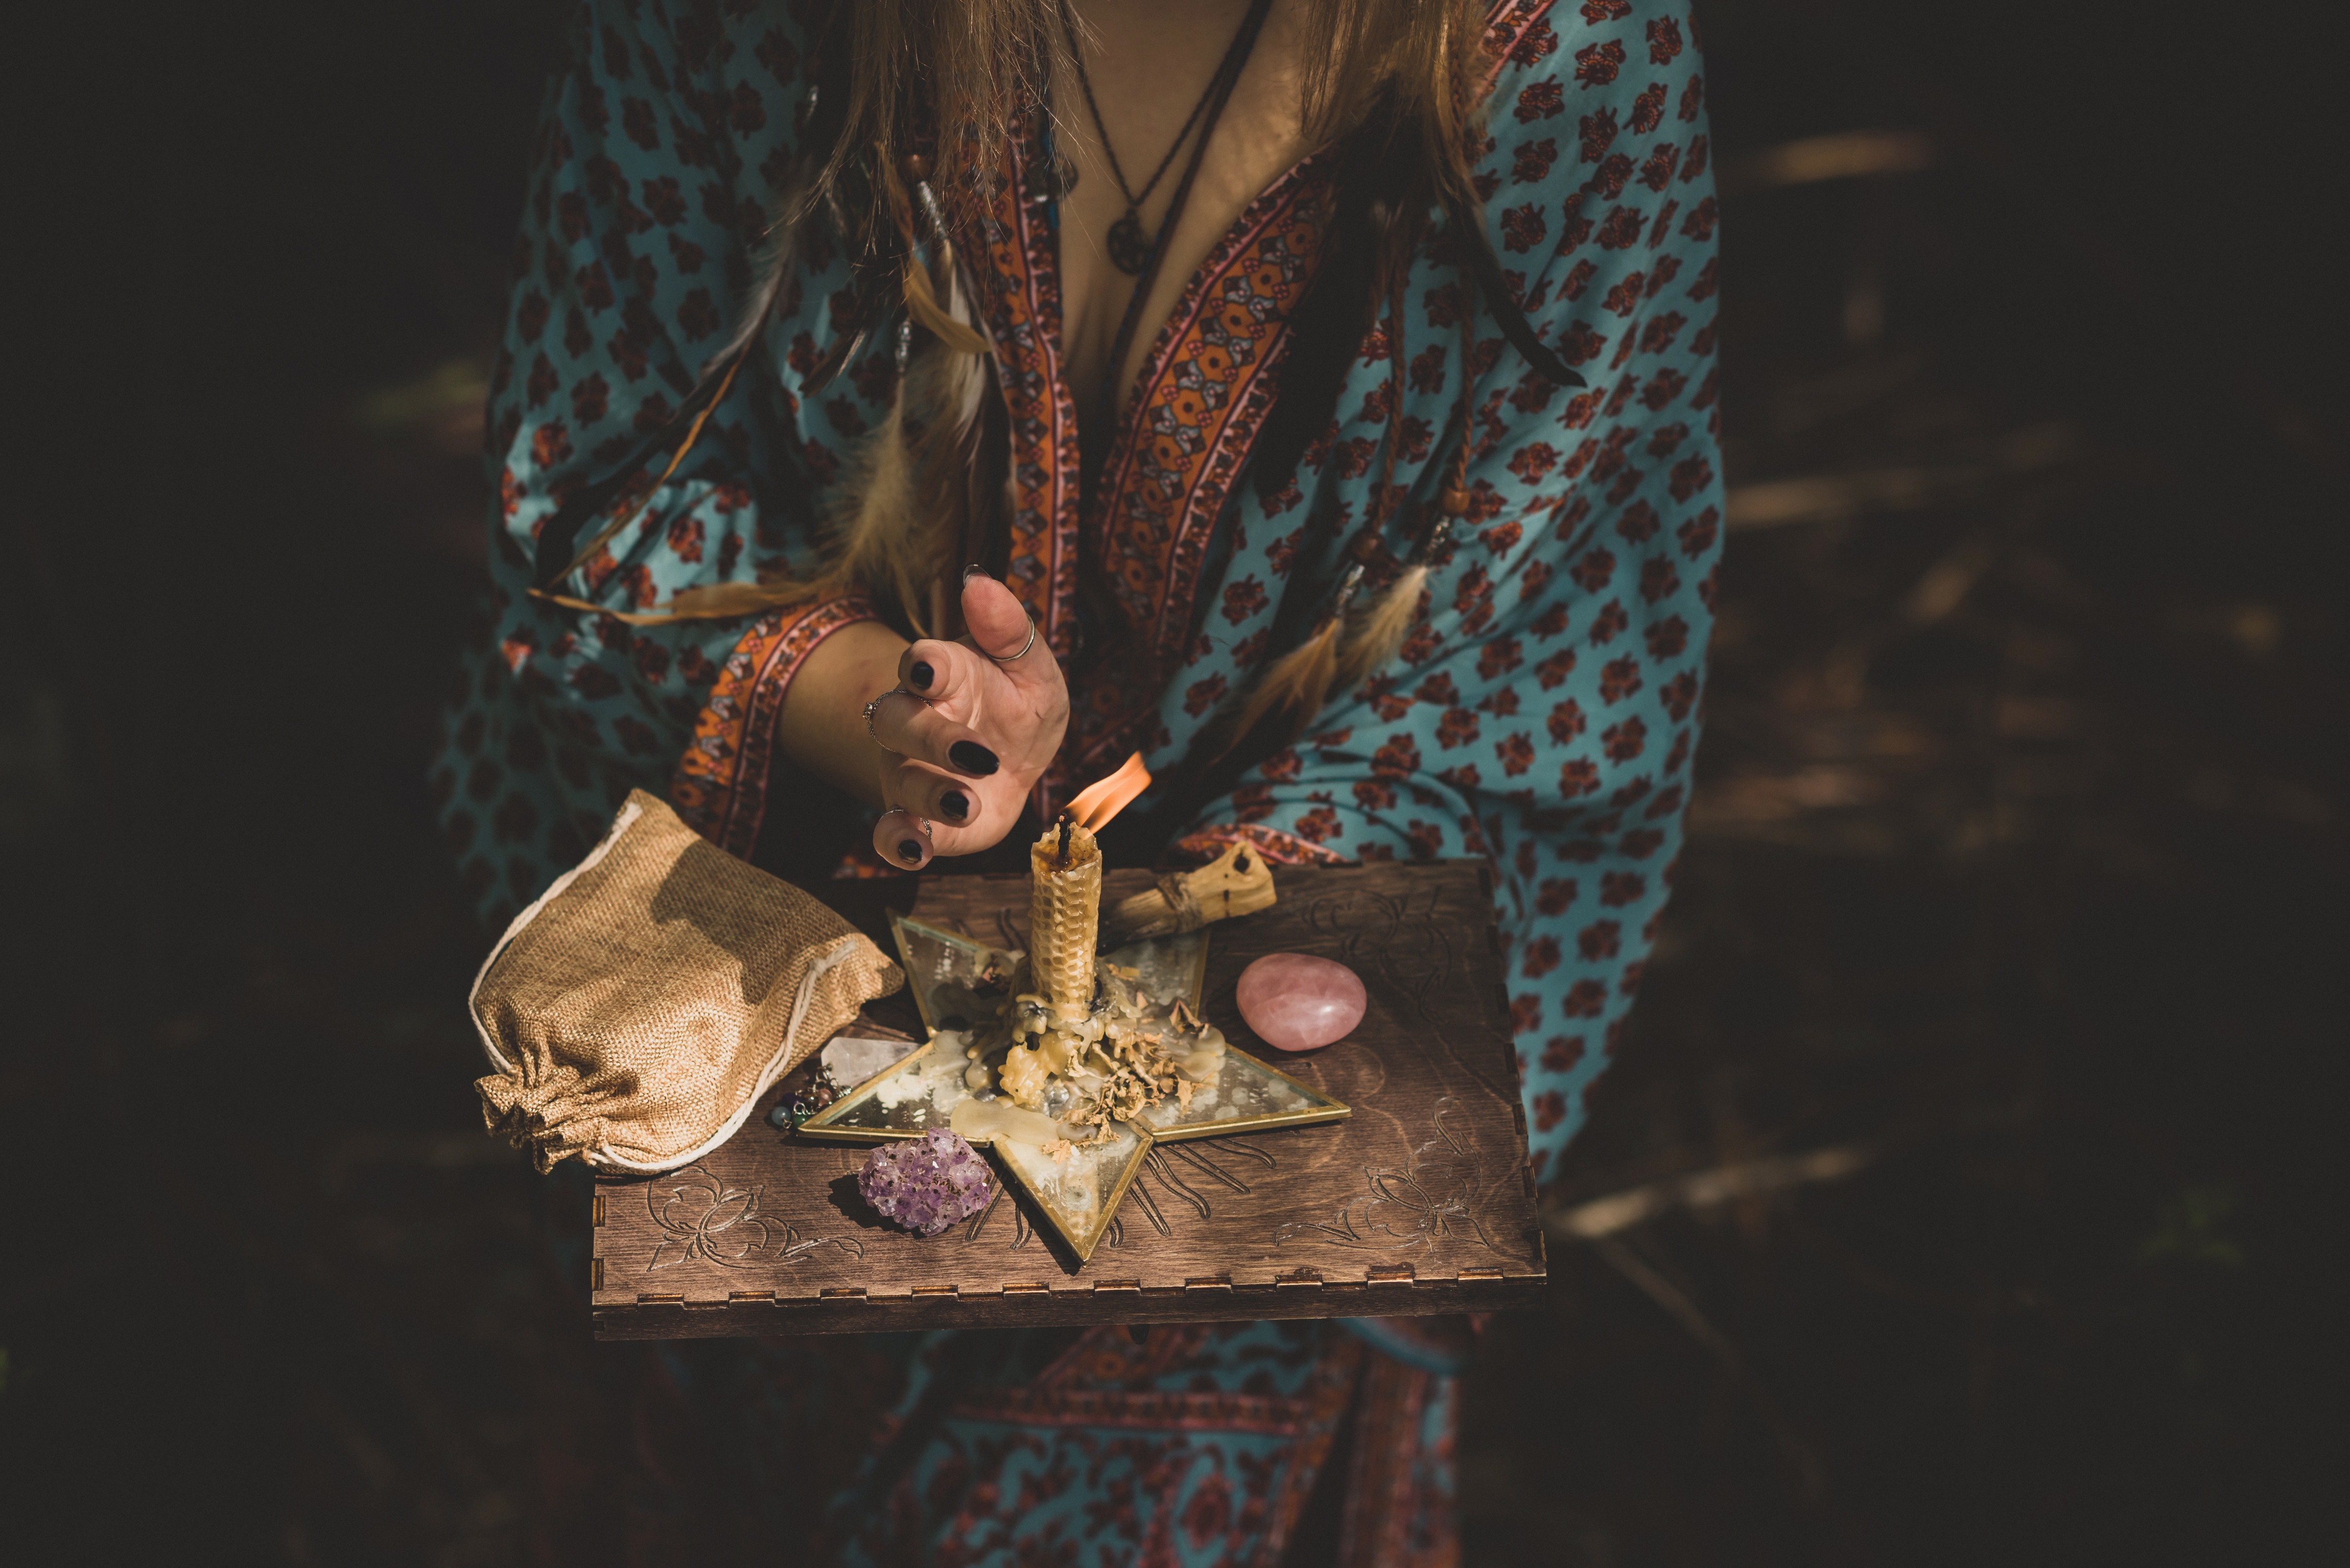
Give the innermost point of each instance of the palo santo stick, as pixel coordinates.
(1237, 882)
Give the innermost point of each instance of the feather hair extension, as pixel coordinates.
(816, 134)
(907, 502)
(1295, 688)
(775, 267)
(922, 304)
(1383, 631)
(901, 506)
(903, 501)
(953, 426)
(716, 601)
(962, 311)
(1326, 327)
(1485, 268)
(950, 383)
(872, 545)
(878, 544)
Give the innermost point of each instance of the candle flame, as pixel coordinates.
(1104, 798)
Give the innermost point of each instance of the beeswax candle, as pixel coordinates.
(1065, 877)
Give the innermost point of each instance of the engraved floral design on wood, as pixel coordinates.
(1161, 1165)
(1427, 1200)
(704, 1221)
(1212, 1158)
(1406, 937)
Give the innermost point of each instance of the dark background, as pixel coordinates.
(2011, 890)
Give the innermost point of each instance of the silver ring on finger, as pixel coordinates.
(874, 707)
(1014, 658)
(928, 828)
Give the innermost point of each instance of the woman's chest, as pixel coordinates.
(1131, 124)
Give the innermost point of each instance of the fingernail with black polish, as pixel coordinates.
(922, 673)
(909, 850)
(972, 758)
(954, 803)
(973, 571)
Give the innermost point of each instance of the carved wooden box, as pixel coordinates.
(1420, 1202)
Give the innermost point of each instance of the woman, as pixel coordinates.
(884, 451)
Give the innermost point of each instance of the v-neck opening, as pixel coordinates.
(1175, 448)
(1127, 414)
(1139, 536)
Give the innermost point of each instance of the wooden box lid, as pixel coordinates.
(1421, 1202)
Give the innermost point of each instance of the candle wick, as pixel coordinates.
(1061, 857)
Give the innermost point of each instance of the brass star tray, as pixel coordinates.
(957, 979)
(1419, 1201)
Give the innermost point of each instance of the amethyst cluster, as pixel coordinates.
(928, 1183)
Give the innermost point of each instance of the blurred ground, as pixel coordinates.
(1978, 1108)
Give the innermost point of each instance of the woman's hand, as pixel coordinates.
(982, 721)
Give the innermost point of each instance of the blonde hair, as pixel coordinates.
(1395, 83)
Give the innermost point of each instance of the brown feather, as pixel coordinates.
(1294, 687)
(874, 545)
(923, 304)
(774, 264)
(900, 506)
(1383, 631)
(904, 504)
(715, 601)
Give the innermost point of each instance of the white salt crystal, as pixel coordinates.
(853, 1060)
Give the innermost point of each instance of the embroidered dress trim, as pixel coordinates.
(1145, 1410)
(1280, 848)
(1026, 314)
(721, 786)
(1200, 399)
(1395, 1518)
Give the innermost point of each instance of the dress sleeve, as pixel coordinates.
(1543, 712)
(664, 141)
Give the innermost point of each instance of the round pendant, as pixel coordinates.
(1129, 247)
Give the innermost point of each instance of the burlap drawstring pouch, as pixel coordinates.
(636, 1012)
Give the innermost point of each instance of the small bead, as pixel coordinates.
(915, 166)
(1453, 502)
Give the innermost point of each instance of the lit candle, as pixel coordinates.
(1065, 874)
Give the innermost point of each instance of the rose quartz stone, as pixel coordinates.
(1298, 1004)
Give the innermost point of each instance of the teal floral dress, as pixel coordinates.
(1541, 714)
